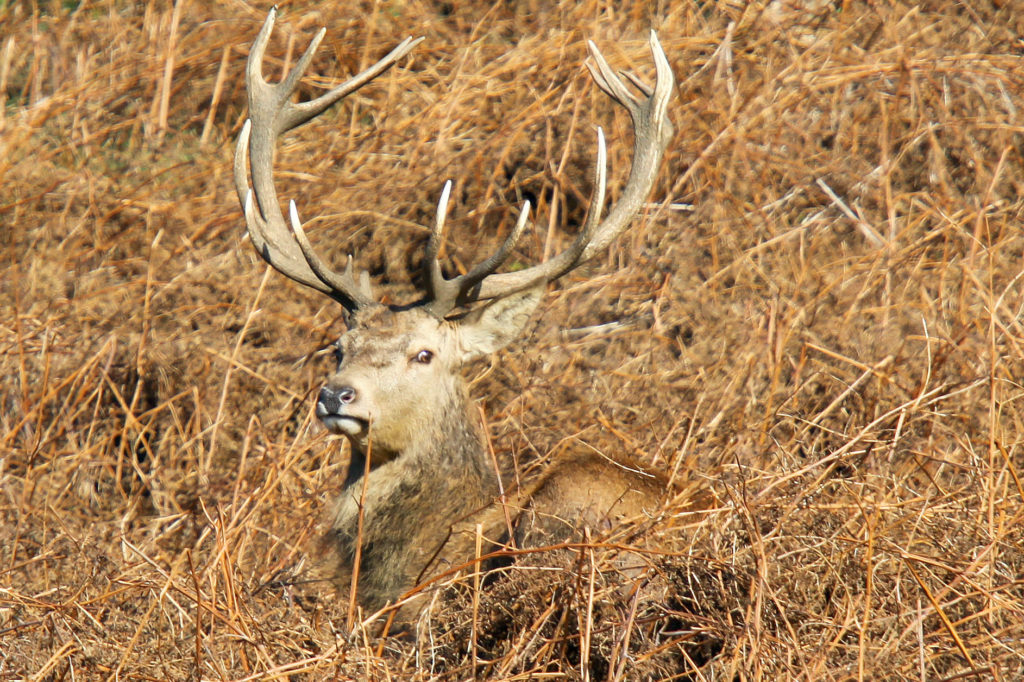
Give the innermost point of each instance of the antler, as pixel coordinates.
(286, 248)
(271, 113)
(652, 132)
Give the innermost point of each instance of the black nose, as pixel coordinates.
(333, 398)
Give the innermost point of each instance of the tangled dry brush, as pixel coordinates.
(817, 322)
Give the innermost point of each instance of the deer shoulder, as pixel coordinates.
(420, 473)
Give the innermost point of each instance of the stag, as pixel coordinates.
(419, 462)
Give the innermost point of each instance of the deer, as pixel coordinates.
(419, 462)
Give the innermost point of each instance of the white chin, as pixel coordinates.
(347, 426)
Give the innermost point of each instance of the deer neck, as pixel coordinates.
(409, 503)
(450, 454)
(443, 474)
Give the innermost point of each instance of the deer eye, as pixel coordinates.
(423, 357)
(339, 354)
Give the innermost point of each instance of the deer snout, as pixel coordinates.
(332, 400)
(332, 407)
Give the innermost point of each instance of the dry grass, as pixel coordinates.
(830, 340)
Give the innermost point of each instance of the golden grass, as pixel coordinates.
(828, 338)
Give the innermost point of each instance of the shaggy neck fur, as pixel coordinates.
(443, 477)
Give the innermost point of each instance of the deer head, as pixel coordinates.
(391, 354)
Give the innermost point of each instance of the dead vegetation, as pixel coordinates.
(818, 321)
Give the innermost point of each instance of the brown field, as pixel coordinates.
(817, 320)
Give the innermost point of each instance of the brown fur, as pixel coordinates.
(431, 480)
(418, 459)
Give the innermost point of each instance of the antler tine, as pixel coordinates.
(317, 106)
(339, 282)
(637, 83)
(607, 80)
(652, 132)
(498, 258)
(447, 294)
(271, 113)
(438, 287)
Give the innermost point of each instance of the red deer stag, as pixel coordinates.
(419, 461)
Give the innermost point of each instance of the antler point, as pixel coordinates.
(293, 216)
(442, 208)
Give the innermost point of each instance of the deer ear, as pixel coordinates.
(492, 327)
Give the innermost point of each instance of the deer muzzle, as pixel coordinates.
(334, 408)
